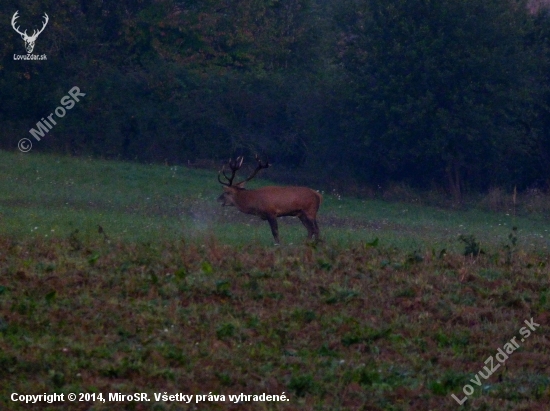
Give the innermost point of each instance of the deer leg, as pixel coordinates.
(274, 228)
(316, 230)
(310, 226)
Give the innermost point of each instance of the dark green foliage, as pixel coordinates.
(364, 335)
(369, 376)
(224, 378)
(415, 257)
(452, 94)
(513, 237)
(300, 385)
(180, 273)
(407, 292)
(451, 381)
(304, 316)
(223, 288)
(74, 240)
(50, 297)
(511, 247)
(471, 245)
(225, 331)
(373, 243)
(340, 295)
(324, 265)
(93, 259)
(206, 267)
(436, 94)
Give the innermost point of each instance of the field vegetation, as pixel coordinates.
(117, 277)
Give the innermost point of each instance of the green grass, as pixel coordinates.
(188, 297)
(45, 196)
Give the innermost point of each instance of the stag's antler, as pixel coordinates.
(259, 167)
(234, 165)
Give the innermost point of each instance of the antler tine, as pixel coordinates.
(266, 165)
(258, 168)
(234, 165)
(219, 179)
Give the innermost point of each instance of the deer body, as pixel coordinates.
(271, 202)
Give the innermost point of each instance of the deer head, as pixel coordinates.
(29, 40)
(227, 198)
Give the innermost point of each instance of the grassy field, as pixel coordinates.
(183, 296)
(44, 196)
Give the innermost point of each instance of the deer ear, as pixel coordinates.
(240, 185)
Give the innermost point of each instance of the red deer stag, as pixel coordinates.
(271, 202)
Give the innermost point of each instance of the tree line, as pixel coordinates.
(452, 94)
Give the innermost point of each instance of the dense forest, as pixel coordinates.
(447, 94)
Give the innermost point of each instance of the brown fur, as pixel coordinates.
(271, 202)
